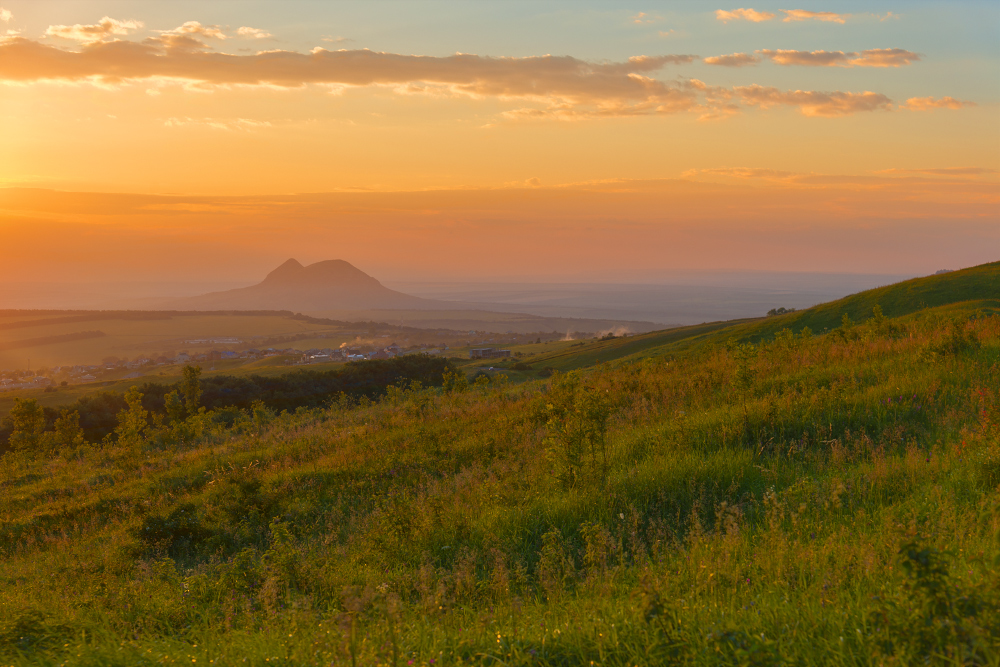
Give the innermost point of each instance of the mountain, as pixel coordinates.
(329, 285)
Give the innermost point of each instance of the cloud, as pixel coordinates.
(931, 103)
(554, 87)
(944, 171)
(806, 15)
(742, 14)
(196, 28)
(253, 33)
(813, 103)
(667, 33)
(337, 40)
(229, 124)
(5, 15)
(643, 17)
(742, 173)
(868, 58)
(733, 60)
(94, 32)
(550, 79)
(885, 58)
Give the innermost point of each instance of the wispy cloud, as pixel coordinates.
(814, 103)
(742, 173)
(931, 103)
(227, 124)
(742, 15)
(5, 15)
(94, 32)
(643, 17)
(806, 15)
(196, 28)
(253, 33)
(944, 171)
(557, 82)
(868, 58)
(548, 87)
(733, 60)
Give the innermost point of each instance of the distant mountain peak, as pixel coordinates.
(333, 284)
(330, 273)
(290, 268)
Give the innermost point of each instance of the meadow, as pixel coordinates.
(751, 494)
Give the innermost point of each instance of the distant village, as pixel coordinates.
(111, 368)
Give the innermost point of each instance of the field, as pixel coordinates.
(133, 334)
(738, 493)
(46, 339)
(485, 320)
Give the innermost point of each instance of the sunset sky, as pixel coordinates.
(450, 140)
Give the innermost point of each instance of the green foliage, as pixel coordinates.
(959, 338)
(301, 388)
(576, 427)
(28, 422)
(745, 376)
(452, 526)
(173, 404)
(454, 381)
(67, 436)
(935, 619)
(132, 420)
(191, 389)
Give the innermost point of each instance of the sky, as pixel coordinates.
(509, 140)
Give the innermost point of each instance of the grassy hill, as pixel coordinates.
(976, 289)
(808, 500)
(978, 286)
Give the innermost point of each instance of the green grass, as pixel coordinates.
(810, 502)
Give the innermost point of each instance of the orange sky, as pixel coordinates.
(689, 138)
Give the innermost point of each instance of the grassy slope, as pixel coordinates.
(434, 526)
(973, 289)
(976, 284)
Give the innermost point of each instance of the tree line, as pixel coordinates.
(97, 417)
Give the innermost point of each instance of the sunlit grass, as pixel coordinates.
(437, 525)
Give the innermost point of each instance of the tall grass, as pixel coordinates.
(824, 500)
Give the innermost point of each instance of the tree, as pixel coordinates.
(174, 405)
(132, 420)
(28, 422)
(191, 388)
(68, 432)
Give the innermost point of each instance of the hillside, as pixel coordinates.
(811, 500)
(976, 289)
(975, 284)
